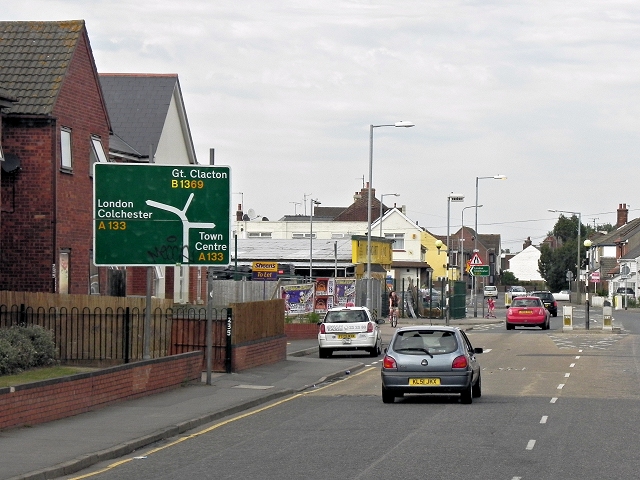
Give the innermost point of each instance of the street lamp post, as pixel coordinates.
(462, 235)
(312, 202)
(578, 258)
(451, 198)
(475, 241)
(381, 199)
(370, 199)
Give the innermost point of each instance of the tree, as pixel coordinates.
(554, 264)
(508, 278)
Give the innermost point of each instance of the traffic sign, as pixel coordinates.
(476, 260)
(151, 214)
(595, 276)
(479, 270)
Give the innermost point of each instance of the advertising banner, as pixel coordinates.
(298, 299)
(345, 292)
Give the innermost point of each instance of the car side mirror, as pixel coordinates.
(385, 350)
(478, 350)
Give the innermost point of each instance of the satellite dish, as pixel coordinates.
(11, 163)
(252, 213)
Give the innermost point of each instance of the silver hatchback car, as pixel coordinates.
(349, 328)
(430, 359)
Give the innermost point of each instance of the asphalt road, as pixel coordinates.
(554, 406)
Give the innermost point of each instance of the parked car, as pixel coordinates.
(349, 328)
(562, 296)
(490, 291)
(548, 300)
(516, 291)
(527, 312)
(431, 359)
(627, 292)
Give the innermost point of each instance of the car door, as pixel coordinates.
(473, 361)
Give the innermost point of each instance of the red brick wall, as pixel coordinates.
(49, 400)
(261, 352)
(26, 239)
(301, 331)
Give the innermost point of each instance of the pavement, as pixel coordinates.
(66, 446)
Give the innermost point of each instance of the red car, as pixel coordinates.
(527, 312)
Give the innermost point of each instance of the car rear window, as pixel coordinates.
(528, 302)
(416, 341)
(346, 316)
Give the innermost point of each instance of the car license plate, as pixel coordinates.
(342, 336)
(526, 312)
(424, 381)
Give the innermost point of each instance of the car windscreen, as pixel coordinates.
(346, 316)
(417, 341)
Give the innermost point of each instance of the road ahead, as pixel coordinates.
(554, 406)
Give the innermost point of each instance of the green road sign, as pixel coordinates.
(479, 270)
(150, 214)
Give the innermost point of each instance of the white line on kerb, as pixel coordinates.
(577, 357)
(516, 478)
(560, 386)
(531, 444)
(572, 365)
(554, 400)
(544, 419)
(567, 375)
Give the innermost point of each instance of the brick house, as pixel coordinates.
(53, 133)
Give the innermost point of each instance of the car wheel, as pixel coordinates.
(466, 395)
(377, 350)
(324, 352)
(387, 396)
(555, 314)
(509, 326)
(476, 390)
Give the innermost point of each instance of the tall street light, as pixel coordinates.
(475, 242)
(312, 202)
(381, 199)
(578, 259)
(453, 197)
(462, 235)
(369, 206)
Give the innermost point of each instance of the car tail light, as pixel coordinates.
(322, 329)
(460, 362)
(389, 362)
(370, 327)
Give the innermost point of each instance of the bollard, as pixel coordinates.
(607, 318)
(567, 318)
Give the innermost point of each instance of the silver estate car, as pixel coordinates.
(430, 359)
(349, 328)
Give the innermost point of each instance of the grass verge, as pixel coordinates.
(38, 374)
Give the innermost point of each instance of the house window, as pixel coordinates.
(338, 235)
(63, 285)
(259, 234)
(65, 149)
(398, 240)
(302, 235)
(97, 153)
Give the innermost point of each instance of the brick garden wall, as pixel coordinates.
(259, 352)
(49, 400)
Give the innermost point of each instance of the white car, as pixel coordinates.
(490, 291)
(562, 295)
(349, 328)
(517, 291)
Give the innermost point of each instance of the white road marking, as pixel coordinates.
(554, 400)
(560, 386)
(516, 478)
(531, 444)
(577, 357)
(487, 350)
(544, 419)
(567, 375)
(572, 365)
(579, 351)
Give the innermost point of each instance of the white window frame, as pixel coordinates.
(66, 156)
(258, 234)
(97, 153)
(398, 240)
(302, 235)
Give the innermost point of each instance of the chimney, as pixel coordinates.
(527, 243)
(623, 215)
(239, 213)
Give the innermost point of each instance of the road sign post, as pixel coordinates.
(151, 214)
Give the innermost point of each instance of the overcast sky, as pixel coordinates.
(544, 92)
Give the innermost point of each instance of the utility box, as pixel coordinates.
(567, 318)
(607, 318)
